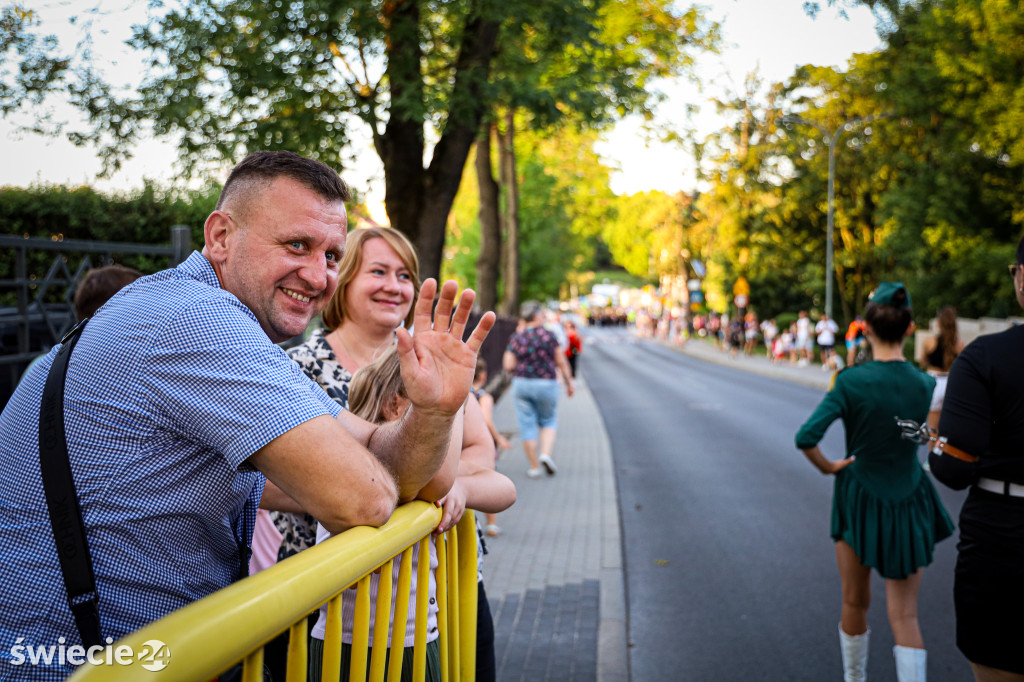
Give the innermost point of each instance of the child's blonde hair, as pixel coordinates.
(376, 387)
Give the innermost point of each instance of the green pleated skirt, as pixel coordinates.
(894, 537)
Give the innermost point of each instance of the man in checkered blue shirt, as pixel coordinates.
(178, 402)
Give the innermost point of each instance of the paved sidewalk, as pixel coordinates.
(554, 576)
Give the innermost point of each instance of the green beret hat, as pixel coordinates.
(885, 292)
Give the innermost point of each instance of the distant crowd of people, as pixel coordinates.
(801, 342)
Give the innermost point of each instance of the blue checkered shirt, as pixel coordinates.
(172, 386)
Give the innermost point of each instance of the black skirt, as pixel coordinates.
(989, 588)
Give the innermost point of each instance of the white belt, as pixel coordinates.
(1001, 487)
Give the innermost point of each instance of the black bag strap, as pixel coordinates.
(62, 499)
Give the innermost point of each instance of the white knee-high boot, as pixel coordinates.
(855, 655)
(911, 664)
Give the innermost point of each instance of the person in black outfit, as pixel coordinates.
(983, 417)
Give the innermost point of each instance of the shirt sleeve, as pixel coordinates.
(967, 407)
(831, 407)
(217, 379)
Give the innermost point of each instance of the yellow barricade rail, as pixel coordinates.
(231, 626)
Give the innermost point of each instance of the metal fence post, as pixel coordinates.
(181, 243)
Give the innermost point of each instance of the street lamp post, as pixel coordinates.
(831, 139)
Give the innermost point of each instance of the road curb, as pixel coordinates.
(612, 646)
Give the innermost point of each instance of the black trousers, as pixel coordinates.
(485, 670)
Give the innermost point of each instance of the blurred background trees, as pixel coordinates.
(487, 116)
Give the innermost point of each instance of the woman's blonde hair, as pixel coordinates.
(334, 313)
(376, 386)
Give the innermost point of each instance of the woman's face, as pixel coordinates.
(381, 293)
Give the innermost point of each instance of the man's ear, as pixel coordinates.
(911, 328)
(217, 232)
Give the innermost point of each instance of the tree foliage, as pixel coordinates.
(564, 198)
(581, 72)
(928, 192)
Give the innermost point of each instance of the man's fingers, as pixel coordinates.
(422, 319)
(404, 341)
(445, 302)
(483, 327)
(462, 313)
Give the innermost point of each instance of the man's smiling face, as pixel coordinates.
(282, 255)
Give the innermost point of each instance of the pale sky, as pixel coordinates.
(770, 36)
(773, 36)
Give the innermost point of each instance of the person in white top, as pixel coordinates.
(826, 329)
(804, 342)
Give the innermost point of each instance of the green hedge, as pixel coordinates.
(143, 216)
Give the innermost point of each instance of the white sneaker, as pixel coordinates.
(548, 464)
(533, 473)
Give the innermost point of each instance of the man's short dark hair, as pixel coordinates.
(258, 169)
(98, 285)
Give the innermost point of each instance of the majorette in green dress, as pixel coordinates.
(884, 504)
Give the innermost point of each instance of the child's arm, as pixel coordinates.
(486, 490)
(487, 408)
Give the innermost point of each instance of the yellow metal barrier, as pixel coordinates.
(231, 626)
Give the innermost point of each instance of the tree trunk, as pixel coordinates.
(507, 162)
(401, 146)
(488, 261)
(417, 199)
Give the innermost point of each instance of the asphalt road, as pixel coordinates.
(730, 571)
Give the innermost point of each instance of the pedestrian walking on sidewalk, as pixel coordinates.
(983, 418)
(855, 341)
(535, 358)
(886, 515)
(804, 339)
(574, 345)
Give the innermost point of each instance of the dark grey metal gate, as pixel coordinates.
(38, 322)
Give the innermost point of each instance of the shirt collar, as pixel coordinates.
(199, 268)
